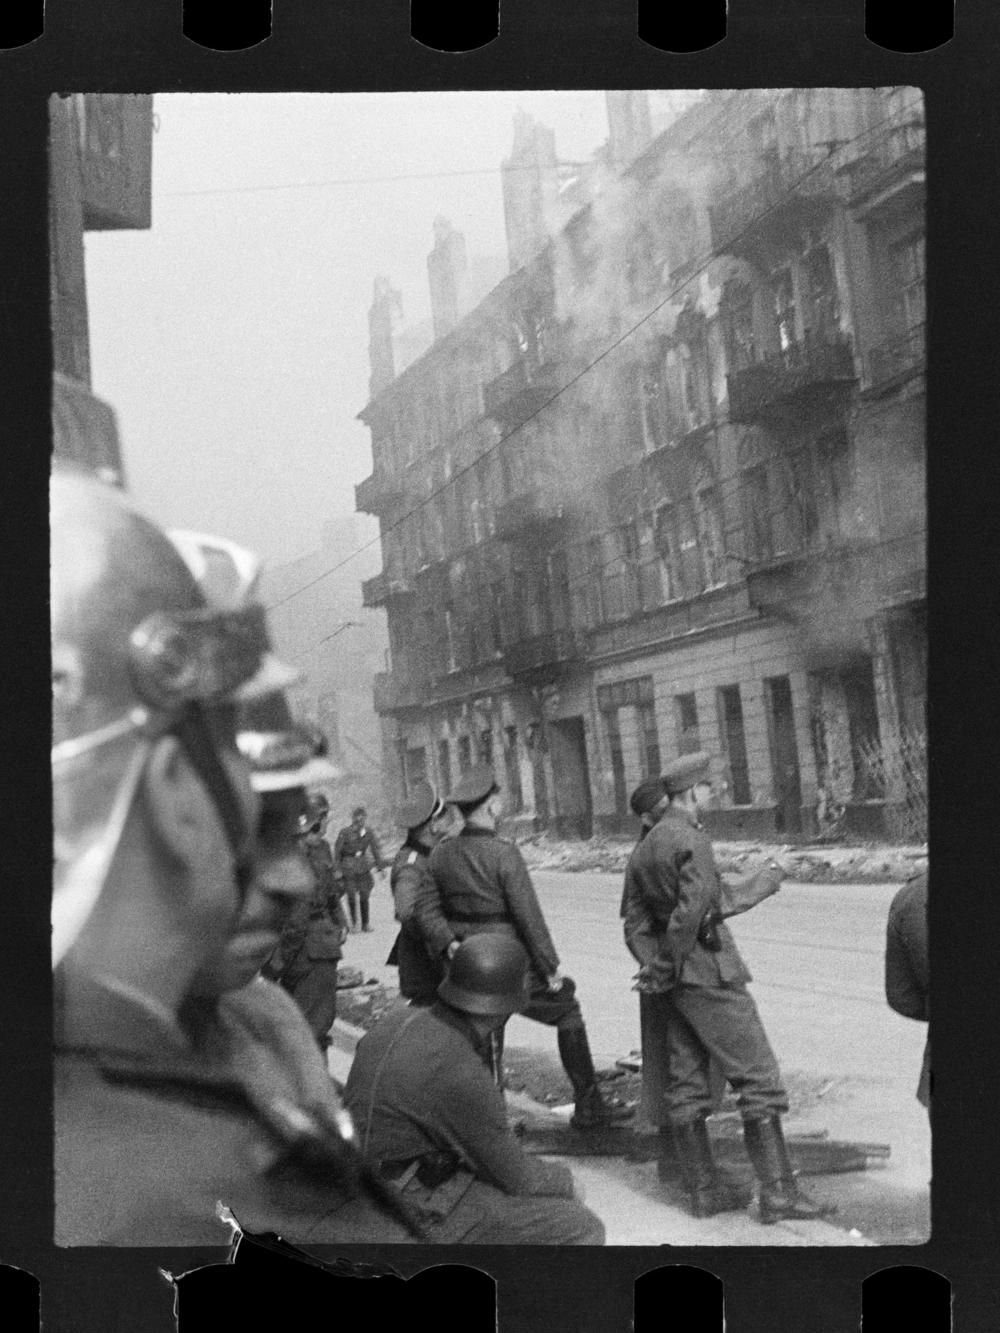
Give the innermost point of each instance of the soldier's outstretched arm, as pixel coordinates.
(522, 903)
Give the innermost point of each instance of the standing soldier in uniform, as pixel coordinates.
(317, 849)
(351, 852)
(155, 840)
(674, 927)
(478, 883)
(420, 973)
(907, 981)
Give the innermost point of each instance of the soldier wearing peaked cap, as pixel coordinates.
(420, 972)
(479, 883)
(673, 904)
(156, 840)
(354, 853)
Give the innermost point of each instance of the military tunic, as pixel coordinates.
(351, 853)
(420, 972)
(672, 886)
(907, 974)
(306, 960)
(422, 1098)
(152, 1134)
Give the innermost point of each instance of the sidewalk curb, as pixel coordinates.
(345, 1037)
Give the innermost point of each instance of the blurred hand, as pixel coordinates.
(453, 949)
(556, 981)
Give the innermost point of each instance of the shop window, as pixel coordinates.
(686, 718)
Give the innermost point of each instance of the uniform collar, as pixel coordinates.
(455, 1019)
(682, 816)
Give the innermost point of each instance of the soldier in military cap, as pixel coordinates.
(354, 853)
(432, 1119)
(155, 823)
(479, 883)
(674, 928)
(420, 972)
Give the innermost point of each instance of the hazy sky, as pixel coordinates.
(232, 337)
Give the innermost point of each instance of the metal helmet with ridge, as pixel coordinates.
(488, 975)
(136, 654)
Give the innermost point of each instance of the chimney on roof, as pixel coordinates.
(530, 178)
(447, 271)
(630, 126)
(386, 306)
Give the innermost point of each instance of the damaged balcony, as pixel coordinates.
(395, 692)
(529, 517)
(543, 657)
(804, 373)
(377, 493)
(385, 588)
(519, 392)
(791, 188)
(890, 177)
(899, 359)
(841, 577)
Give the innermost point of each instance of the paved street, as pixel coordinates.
(816, 955)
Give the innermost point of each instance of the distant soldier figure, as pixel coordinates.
(479, 883)
(317, 849)
(431, 1118)
(674, 927)
(420, 973)
(354, 853)
(907, 987)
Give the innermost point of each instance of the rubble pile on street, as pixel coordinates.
(880, 863)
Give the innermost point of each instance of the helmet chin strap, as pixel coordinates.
(193, 732)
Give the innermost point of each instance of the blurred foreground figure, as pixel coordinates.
(430, 1115)
(907, 979)
(155, 825)
(674, 927)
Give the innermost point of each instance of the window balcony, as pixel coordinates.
(384, 589)
(116, 138)
(793, 187)
(803, 373)
(377, 493)
(889, 174)
(899, 359)
(529, 517)
(519, 392)
(544, 657)
(832, 582)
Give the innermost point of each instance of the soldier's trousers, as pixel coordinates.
(719, 1023)
(655, 1015)
(486, 1215)
(358, 887)
(313, 987)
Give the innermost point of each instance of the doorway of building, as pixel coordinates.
(784, 755)
(573, 814)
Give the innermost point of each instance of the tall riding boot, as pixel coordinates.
(352, 908)
(364, 915)
(592, 1110)
(780, 1193)
(668, 1162)
(708, 1192)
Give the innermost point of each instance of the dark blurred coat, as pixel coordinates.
(907, 978)
(419, 972)
(305, 961)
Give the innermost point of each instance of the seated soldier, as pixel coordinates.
(430, 1115)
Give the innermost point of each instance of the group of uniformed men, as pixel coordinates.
(187, 862)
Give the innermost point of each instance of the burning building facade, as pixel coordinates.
(663, 488)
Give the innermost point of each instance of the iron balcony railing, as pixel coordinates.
(384, 588)
(787, 181)
(543, 654)
(529, 515)
(819, 360)
(518, 392)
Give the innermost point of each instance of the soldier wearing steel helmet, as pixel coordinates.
(156, 825)
(674, 927)
(478, 883)
(420, 971)
(429, 1114)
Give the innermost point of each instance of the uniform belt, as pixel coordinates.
(472, 917)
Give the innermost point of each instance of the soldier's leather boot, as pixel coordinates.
(593, 1110)
(668, 1163)
(781, 1196)
(708, 1191)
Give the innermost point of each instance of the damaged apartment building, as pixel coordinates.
(662, 489)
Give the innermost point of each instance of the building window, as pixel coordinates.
(614, 735)
(595, 582)
(464, 755)
(496, 615)
(654, 413)
(686, 717)
(733, 738)
(668, 552)
(650, 587)
(833, 475)
(486, 746)
(692, 576)
(450, 637)
(783, 299)
(650, 739)
(710, 536)
(802, 497)
(821, 282)
(757, 514)
(416, 766)
(742, 338)
(512, 767)
(444, 766)
(908, 263)
(559, 590)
